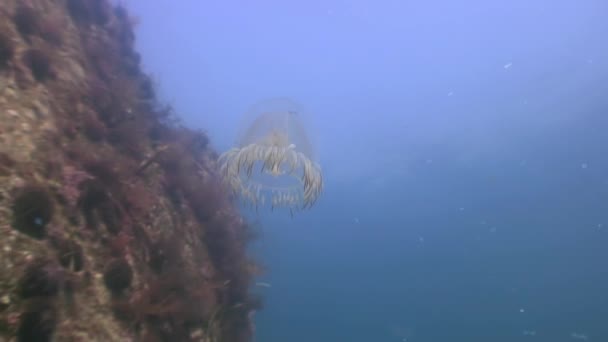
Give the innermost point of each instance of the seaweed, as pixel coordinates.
(69, 253)
(174, 303)
(173, 252)
(93, 128)
(97, 205)
(7, 49)
(39, 62)
(87, 12)
(164, 253)
(39, 280)
(27, 20)
(6, 164)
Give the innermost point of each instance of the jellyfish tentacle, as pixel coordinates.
(266, 168)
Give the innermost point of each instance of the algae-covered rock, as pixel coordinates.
(113, 224)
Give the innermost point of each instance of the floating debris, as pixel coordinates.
(579, 336)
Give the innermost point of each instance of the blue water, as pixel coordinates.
(465, 151)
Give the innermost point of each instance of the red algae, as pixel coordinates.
(112, 222)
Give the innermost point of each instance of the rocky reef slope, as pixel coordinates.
(113, 225)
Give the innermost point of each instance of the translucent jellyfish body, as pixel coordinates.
(272, 164)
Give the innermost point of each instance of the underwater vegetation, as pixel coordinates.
(273, 162)
(7, 50)
(115, 222)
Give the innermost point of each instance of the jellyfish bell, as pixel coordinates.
(273, 163)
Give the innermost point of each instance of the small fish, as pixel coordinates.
(508, 65)
(262, 284)
(529, 333)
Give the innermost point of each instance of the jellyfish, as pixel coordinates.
(273, 162)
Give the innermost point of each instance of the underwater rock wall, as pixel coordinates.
(113, 225)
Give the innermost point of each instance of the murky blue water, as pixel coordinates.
(464, 147)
